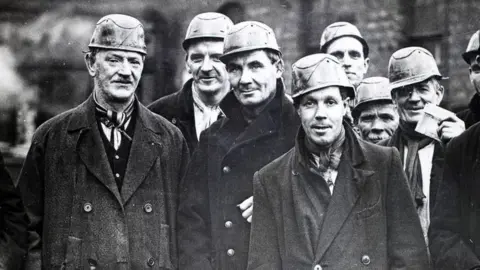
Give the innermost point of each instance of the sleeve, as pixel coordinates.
(193, 216)
(406, 244)
(264, 251)
(31, 186)
(13, 236)
(448, 249)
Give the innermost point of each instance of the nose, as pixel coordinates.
(414, 96)
(377, 126)
(246, 77)
(125, 69)
(207, 65)
(346, 60)
(320, 112)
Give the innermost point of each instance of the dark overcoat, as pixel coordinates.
(78, 216)
(455, 226)
(212, 231)
(178, 109)
(13, 223)
(471, 115)
(370, 221)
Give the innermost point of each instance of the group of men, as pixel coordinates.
(232, 172)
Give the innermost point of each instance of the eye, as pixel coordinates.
(338, 55)
(475, 68)
(366, 118)
(331, 102)
(308, 103)
(233, 68)
(386, 117)
(354, 54)
(256, 65)
(215, 58)
(113, 60)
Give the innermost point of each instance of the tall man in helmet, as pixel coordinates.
(100, 181)
(195, 107)
(415, 81)
(374, 114)
(216, 200)
(471, 115)
(333, 200)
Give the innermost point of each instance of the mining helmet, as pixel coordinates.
(317, 71)
(249, 36)
(411, 65)
(119, 32)
(473, 47)
(371, 89)
(338, 30)
(207, 25)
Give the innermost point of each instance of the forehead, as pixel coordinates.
(345, 44)
(378, 108)
(248, 57)
(330, 91)
(206, 46)
(120, 53)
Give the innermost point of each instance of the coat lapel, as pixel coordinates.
(143, 153)
(348, 188)
(89, 140)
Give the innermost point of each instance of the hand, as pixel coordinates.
(247, 209)
(450, 128)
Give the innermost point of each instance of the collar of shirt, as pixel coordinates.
(117, 136)
(204, 115)
(330, 175)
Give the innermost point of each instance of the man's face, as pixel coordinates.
(321, 113)
(204, 64)
(475, 72)
(116, 74)
(349, 52)
(253, 78)
(411, 99)
(377, 121)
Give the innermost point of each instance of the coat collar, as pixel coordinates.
(185, 102)
(143, 153)
(267, 123)
(353, 172)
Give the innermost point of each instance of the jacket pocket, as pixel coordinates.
(164, 252)
(73, 254)
(370, 210)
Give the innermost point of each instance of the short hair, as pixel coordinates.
(343, 93)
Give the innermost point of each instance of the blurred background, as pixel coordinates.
(42, 72)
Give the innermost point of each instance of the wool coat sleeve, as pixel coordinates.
(406, 244)
(14, 223)
(264, 251)
(448, 248)
(193, 216)
(31, 187)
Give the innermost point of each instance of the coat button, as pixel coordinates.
(228, 224)
(151, 262)
(226, 169)
(317, 267)
(174, 121)
(148, 208)
(117, 157)
(365, 260)
(87, 207)
(230, 252)
(117, 175)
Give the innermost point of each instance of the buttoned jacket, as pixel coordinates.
(79, 218)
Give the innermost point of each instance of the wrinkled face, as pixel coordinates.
(377, 121)
(475, 72)
(116, 74)
(253, 78)
(349, 52)
(411, 99)
(203, 62)
(321, 113)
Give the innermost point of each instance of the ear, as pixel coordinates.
(279, 69)
(89, 62)
(346, 107)
(439, 93)
(366, 63)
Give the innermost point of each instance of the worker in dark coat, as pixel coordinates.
(216, 201)
(333, 201)
(13, 223)
(196, 106)
(455, 229)
(415, 82)
(100, 181)
(471, 115)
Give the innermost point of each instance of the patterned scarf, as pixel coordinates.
(116, 121)
(414, 141)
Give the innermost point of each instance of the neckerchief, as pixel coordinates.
(414, 141)
(116, 121)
